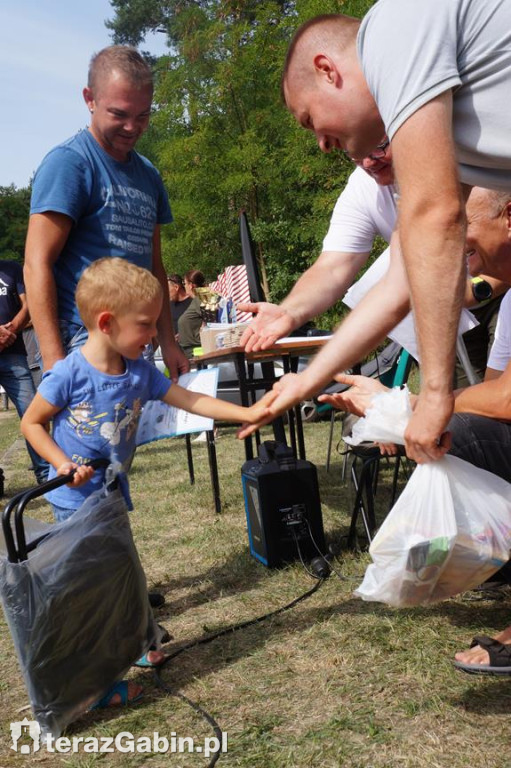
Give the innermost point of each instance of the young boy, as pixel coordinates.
(95, 395)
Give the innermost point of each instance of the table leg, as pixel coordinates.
(291, 414)
(239, 362)
(298, 415)
(189, 457)
(213, 470)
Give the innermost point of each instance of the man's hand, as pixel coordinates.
(271, 323)
(175, 360)
(7, 336)
(425, 438)
(290, 390)
(356, 399)
(259, 411)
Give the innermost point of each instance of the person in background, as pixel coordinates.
(32, 347)
(15, 376)
(95, 196)
(179, 299)
(191, 321)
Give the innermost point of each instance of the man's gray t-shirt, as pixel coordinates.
(413, 50)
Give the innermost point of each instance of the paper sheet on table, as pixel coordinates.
(159, 420)
(404, 332)
(300, 339)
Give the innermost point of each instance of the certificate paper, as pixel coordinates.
(160, 420)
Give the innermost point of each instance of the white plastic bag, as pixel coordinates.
(449, 530)
(385, 420)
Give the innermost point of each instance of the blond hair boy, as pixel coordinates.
(95, 395)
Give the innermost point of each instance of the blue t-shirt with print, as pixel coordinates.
(115, 207)
(99, 415)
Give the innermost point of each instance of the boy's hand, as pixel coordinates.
(82, 475)
(358, 397)
(260, 409)
(257, 415)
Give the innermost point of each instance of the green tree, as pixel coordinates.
(224, 141)
(14, 212)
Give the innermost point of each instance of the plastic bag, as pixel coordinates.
(385, 420)
(449, 530)
(77, 609)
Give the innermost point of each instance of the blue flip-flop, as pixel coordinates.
(122, 689)
(144, 662)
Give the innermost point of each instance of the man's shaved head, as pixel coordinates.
(331, 31)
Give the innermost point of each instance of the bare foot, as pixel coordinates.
(134, 692)
(122, 693)
(478, 655)
(155, 657)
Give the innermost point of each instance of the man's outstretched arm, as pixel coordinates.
(324, 283)
(381, 309)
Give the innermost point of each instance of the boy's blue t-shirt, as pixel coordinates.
(115, 207)
(99, 415)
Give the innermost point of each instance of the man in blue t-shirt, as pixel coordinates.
(94, 196)
(15, 376)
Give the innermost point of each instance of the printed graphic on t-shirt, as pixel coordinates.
(113, 428)
(132, 218)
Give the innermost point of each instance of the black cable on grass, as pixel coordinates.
(322, 556)
(208, 639)
(197, 708)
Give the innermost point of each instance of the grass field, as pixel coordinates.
(332, 682)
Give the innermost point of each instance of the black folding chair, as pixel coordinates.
(392, 367)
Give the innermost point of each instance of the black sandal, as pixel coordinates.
(500, 658)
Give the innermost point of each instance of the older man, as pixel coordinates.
(440, 93)
(94, 196)
(480, 429)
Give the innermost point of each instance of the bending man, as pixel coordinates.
(439, 93)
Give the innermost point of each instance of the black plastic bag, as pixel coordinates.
(77, 608)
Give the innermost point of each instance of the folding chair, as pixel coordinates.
(389, 364)
(392, 366)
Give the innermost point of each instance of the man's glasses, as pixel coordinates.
(378, 154)
(380, 150)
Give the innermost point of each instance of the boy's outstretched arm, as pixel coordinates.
(213, 408)
(33, 426)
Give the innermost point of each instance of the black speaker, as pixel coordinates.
(282, 505)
